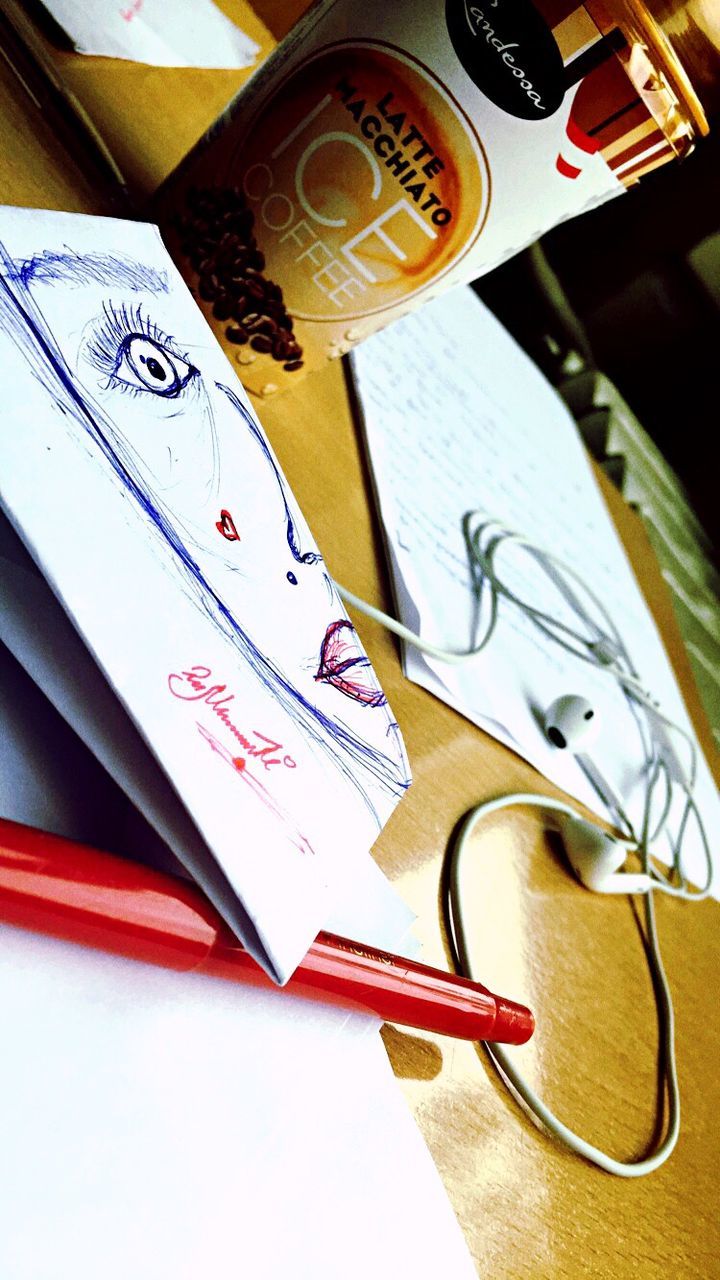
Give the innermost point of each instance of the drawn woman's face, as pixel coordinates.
(146, 360)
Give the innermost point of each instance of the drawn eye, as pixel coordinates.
(146, 365)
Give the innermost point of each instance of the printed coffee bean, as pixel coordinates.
(236, 334)
(216, 234)
(242, 224)
(223, 308)
(238, 270)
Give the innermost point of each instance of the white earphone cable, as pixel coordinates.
(450, 656)
(502, 1059)
(606, 651)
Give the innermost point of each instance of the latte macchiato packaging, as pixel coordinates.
(385, 152)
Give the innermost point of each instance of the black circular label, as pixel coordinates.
(509, 52)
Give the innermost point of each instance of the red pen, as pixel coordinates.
(72, 891)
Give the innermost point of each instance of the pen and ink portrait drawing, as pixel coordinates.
(130, 370)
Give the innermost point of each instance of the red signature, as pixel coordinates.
(195, 685)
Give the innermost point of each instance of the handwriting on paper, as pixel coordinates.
(195, 685)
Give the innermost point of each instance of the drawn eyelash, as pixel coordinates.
(119, 324)
(156, 365)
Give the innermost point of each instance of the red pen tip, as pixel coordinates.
(514, 1024)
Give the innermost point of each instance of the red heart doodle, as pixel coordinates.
(226, 526)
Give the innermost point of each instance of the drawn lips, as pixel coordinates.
(346, 667)
(226, 526)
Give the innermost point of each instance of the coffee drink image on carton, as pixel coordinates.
(384, 153)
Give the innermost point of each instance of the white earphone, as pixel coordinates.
(571, 723)
(596, 858)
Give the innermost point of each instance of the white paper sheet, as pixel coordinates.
(123, 451)
(184, 33)
(157, 1124)
(160, 1125)
(458, 418)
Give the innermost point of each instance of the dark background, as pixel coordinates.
(644, 304)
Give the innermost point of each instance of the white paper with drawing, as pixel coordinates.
(136, 473)
(36, 630)
(458, 418)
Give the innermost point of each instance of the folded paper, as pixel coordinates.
(141, 483)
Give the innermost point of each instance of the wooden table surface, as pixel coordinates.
(527, 1207)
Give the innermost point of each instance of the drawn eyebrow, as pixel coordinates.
(91, 268)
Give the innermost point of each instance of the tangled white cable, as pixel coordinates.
(595, 857)
(596, 641)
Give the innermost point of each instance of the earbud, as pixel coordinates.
(571, 723)
(596, 858)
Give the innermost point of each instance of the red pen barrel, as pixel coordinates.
(413, 994)
(72, 891)
(361, 979)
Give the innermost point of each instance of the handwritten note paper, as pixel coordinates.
(186, 33)
(139, 478)
(458, 418)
